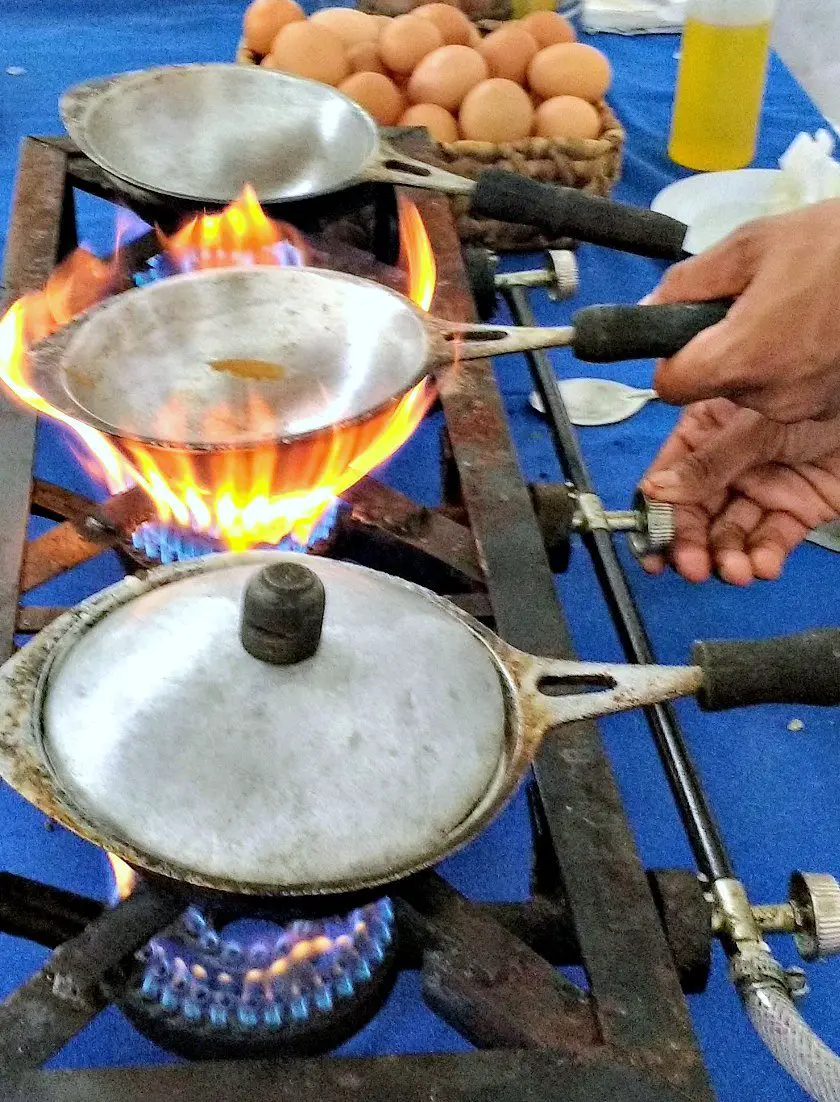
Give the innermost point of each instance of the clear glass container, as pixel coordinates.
(720, 86)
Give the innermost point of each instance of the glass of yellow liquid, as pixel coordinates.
(720, 86)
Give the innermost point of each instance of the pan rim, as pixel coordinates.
(99, 91)
(25, 763)
(53, 385)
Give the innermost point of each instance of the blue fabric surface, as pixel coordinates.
(774, 791)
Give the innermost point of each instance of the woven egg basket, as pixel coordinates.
(591, 164)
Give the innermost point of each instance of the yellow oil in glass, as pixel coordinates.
(521, 8)
(719, 91)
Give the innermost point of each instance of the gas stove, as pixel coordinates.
(214, 986)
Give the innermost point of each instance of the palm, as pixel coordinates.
(747, 490)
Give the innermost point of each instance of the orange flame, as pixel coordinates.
(416, 255)
(242, 235)
(244, 497)
(125, 878)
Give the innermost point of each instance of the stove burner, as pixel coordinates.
(168, 543)
(252, 987)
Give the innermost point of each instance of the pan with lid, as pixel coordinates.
(253, 726)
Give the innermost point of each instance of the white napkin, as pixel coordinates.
(808, 174)
(634, 16)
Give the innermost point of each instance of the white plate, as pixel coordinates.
(713, 204)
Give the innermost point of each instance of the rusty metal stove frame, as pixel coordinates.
(486, 969)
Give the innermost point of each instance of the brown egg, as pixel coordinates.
(264, 18)
(508, 51)
(547, 28)
(351, 26)
(475, 37)
(406, 42)
(567, 117)
(310, 51)
(570, 69)
(452, 23)
(379, 96)
(437, 120)
(496, 110)
(364, 58)
(446, 75)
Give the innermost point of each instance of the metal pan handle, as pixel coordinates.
(794, 669)
(466, 341)
(391, 167)
(598, 334)
(554, 692)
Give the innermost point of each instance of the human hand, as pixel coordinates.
(778, 349)
(747, 490)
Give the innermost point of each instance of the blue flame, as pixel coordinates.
(283, 255)
(257, 975)
(168, 543)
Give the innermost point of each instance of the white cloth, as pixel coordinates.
(809, 174)
(634, 16)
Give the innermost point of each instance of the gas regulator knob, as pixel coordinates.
(816, 898)
(656, 526)
(565, 276)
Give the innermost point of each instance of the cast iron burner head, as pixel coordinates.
(253, 988)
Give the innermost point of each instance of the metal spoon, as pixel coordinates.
(827, 536)
(593, 402)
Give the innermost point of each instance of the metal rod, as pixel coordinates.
(42, 913)
(60, 999)
(537, 278)
(696, 813)
(495, 1076)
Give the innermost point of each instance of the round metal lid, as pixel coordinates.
(329, 349)
(350, 766)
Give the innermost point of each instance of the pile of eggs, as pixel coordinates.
(431, 67)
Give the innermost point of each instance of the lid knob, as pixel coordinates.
(283, 613)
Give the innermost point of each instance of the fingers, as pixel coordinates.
(772, 541)
(695, 425)
(721, 272)
(780, 489)
(728, 538)
(689, 554)
(698, 466)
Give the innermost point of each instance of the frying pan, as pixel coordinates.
(320, 349)
(201, 132)
(189, 773)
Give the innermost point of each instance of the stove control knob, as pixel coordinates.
(816, 900)
(563, 271)
(656, 526)
(283, 613)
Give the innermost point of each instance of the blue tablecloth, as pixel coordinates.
(774, 791)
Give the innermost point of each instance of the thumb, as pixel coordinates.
(720, 272)
(705, 473)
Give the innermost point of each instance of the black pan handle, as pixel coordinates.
(567, 212)
(792, 669)
(604, 334)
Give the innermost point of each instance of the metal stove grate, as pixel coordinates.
(487, 970)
